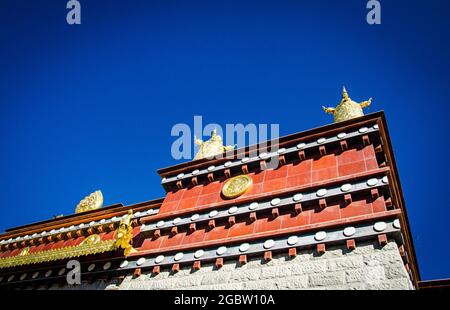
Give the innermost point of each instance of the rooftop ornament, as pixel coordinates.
(347, 108)
(92, 202)
(124, 234)
(214, 146)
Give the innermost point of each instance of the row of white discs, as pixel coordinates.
(74, 227)
(292, 240)
(264, 155)
(297, 197)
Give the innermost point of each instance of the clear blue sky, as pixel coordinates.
(91, 106)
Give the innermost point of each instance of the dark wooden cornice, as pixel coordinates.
(398, 198)
(78, 218)
(310, 134)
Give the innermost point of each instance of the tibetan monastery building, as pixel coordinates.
(330, 215)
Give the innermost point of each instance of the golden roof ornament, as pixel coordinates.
(92, 202)
(214, 146)
(347, 108)
(124, 234)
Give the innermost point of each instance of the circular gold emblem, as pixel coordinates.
(236, 186)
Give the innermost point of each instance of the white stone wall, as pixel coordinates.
(367, 267)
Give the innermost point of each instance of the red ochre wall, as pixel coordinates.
(302, 174)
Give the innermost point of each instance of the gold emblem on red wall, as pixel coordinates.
(236, 186)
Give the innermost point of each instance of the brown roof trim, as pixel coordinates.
(398, 198)
(289, 139)
(434, 284)
(78, 218)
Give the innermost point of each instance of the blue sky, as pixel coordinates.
(91, 106)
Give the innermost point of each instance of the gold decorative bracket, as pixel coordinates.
(124, 235)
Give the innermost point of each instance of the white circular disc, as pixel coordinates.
(379, 226)
(297, 197)
(321, 192)
(199, 253)
(11, 277)
(160, 224)
(227, 164)
(35, 275)
(195, 217)
(346, 187)
(375, 126)
(244, 247)
(221, 250)
(159, 259)
(320, 235)
(176, 220)
(275, 201)
(124, 264)
(23, 276)
(385, 179)
(282, 150)
(91, 267)
(292, 240)
(140, 261)
(178, 256)
(342, 135)
(372, 182)
(397, 223)
(233, 210)
(213, 213)
(363, 129)
(321, 140)
(301, 145)
(48, 273)
(253, 206)
(263, 155)
(61, 271)
(245, 159)
(196, 171)
(268, 243)
(349, 231)
(211, 168)
(106, 266)
(180, 175)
